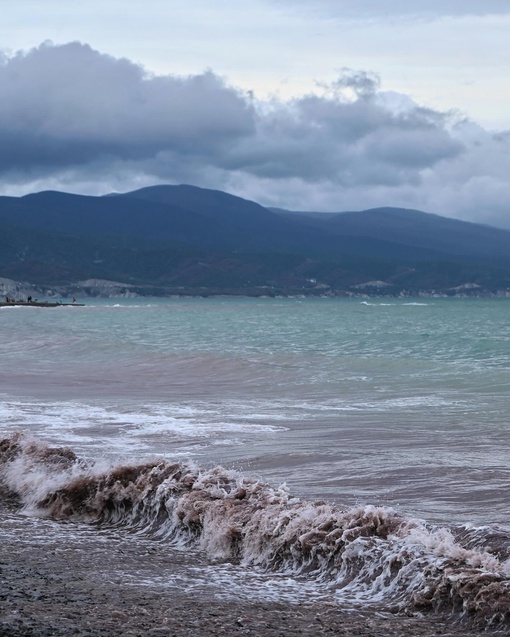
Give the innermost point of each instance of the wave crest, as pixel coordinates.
(368, 554)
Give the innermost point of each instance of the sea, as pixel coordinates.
(349, 450)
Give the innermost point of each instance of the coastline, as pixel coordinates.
(105, 289)
(38, 304)
(75, 581)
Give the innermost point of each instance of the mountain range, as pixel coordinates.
(188, 240)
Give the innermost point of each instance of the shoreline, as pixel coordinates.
(39, 304)
(59, 579)
(104, 289)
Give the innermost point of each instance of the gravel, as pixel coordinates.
(61, 579)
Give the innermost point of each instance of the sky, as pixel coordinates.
(325, 105)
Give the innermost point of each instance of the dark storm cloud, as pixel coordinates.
(74, 119)
(348, 142)
(65, 106)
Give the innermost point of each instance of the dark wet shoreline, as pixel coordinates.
(61, 579)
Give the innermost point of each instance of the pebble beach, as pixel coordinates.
(72, 581)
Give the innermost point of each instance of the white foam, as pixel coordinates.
(383, 304)
(114, 428)
(366, 554)
(230, 582)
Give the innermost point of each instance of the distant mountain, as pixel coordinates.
(194, 216)
(184, 239)
(413, 228)
(247, 226)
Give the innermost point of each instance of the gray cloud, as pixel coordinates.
(65, 105)
(316, 138)
(395, 8)
(361, 83)
(69, 105)
(74, 119)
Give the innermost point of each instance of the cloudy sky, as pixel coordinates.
(304, 104)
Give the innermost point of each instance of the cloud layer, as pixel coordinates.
(400, 8)
(75, 119)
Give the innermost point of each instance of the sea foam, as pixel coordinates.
(367, 554)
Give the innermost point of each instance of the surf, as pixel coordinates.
(368, 555)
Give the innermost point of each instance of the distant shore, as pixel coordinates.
(105, 289)
(39, 304)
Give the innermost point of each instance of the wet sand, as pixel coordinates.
(61, 579)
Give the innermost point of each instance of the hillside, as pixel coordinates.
(184, 239)
(414, 228)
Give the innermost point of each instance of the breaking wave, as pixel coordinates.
(366, 554)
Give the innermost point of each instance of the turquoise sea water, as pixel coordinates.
(397, 402)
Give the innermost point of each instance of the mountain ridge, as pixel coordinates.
(414, 227)
(182, 237)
